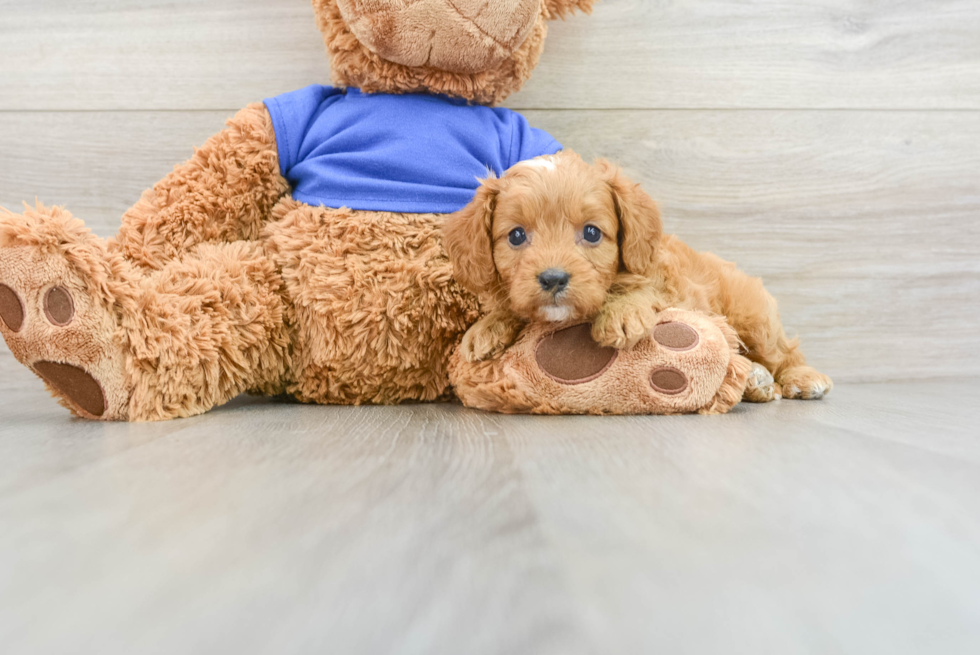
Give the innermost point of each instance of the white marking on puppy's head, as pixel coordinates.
(556, 313)
(546, 163)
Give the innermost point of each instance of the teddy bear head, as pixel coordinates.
(478, 50)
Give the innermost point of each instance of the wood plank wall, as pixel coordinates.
(830, 147)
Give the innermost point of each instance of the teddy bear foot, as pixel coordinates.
(51, 316)
(689, 364)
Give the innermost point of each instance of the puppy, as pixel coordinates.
(558, 240)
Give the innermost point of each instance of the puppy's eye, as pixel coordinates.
(592, 234)
(517, 237)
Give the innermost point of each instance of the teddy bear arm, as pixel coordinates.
(689, 363)
(224, 193)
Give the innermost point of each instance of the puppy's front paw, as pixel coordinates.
(487, 338)
(623, 325)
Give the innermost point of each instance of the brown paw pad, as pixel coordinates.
(676, 336)
(75, 384)
(59, 307)
(668, 380)
(571, 356)
(11, 309)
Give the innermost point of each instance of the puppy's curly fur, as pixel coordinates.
(558, 240)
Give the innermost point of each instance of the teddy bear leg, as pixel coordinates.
(688, 364)
(112, 344)
(207, 328)
(224, 193)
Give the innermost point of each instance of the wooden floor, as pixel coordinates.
(850, 525)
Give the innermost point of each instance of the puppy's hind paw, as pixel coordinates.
(761, 387)
(804, 383)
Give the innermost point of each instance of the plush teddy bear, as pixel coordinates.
(299, 251)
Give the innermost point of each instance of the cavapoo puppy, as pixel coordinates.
(558, 240)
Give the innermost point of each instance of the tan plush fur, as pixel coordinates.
(219, 283)
(194, 334)
(224, 193)
(354, 64)
(332, 306)
(45, 248)
(457, 36)
(512, 382)
(620, 282)
(734, 387)
(375, 304)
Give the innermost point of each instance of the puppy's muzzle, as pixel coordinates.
(554, 281)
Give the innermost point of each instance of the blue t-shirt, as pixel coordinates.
(400, 153)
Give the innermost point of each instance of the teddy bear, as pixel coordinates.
(299, 251)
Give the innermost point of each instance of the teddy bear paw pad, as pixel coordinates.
(11, 309)
(77, 386)
(572, 356)
(668, 380)
(59, 308)
(673, 335)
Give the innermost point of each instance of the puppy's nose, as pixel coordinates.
(554, 280)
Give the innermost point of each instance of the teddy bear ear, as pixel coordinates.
(561, 8)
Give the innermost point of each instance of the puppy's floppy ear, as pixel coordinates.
(469, 239)
(640, 229)
(558, 8)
